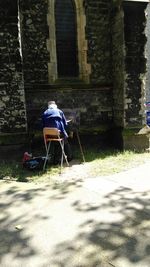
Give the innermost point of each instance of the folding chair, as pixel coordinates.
(53, 134)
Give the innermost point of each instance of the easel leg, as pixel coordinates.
(80, 146)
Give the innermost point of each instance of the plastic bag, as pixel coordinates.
(35, 163)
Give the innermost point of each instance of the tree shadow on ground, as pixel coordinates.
(118, 235)
(61, 189)
(14, 238)
(15, 235)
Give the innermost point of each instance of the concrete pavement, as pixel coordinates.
(94, 222)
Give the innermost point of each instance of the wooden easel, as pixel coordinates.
(81, 150)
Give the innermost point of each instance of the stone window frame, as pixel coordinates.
(84, 67)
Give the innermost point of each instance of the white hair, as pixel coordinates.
(53, 106)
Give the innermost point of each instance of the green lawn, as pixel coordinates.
(97, 163)
(106, 163)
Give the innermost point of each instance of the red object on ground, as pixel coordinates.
(26, 156)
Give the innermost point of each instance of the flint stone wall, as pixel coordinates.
(135, 63)
(117, 34)
(94, 106)
(36, 58)
(98, 34)
(34, 31)
(35, 34)
(147, 32)
(12, 101)
(115, 51)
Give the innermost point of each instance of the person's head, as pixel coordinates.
(52, 104)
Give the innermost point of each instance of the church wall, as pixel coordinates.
(117, 33)
(135, 63)
(12, 101)
(34, 32)
(98, 35)
(93, 105)
(94, 102)
(147, 52)
(135, 74)
(115, 79)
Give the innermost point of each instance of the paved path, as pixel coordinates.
(95, 222)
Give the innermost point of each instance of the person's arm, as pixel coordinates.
(43, 120)
(64, 119)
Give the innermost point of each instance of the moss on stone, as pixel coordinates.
(94, 130)
(11, 138)
(130, 131)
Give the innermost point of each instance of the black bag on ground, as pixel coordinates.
(35, 163)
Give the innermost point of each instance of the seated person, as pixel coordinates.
(55, 118)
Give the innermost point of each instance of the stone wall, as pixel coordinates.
(35, 34)
(99, 40)
(147, 32)
(34, 30)
(25, 58)
(12, 101)
(92, 104)
(114, 42)
(117, 33)
(135, 63)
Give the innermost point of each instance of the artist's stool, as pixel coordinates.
(53, 134)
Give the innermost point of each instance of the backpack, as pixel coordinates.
(35, 163)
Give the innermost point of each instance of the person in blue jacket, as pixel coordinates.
(53, 117)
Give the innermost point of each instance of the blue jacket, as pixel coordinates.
(55, 118)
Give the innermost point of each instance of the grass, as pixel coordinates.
(14, 171)
(97, 163)
(111, 162)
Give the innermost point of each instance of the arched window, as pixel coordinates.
(66, 38)
(67, 43)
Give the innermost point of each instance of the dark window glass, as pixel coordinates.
(66, 38)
